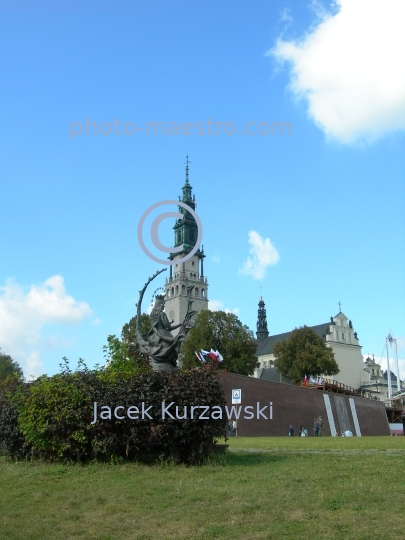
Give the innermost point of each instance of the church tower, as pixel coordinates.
(262, 331)
(190, 272)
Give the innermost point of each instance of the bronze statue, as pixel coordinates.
(163, 349)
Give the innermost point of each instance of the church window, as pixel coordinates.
(192, 263)
(177, 289)
(183, 289)
(172, 291)
(196, 292)
(343, 336)
(203, 293)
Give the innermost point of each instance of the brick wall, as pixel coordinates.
(293, 404)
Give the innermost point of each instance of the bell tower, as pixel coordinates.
(262, 331)
(190, 272)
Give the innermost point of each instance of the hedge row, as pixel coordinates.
(51, 418)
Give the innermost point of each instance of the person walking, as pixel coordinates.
(230, 428)
(300, 428)
(291, 431)
(316, 427)
(320, 427)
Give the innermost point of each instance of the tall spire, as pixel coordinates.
(262, 331)
(186, 230)
(186, 273)
(187, 162)
(187, 189)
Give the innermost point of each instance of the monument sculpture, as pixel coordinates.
(162, 349)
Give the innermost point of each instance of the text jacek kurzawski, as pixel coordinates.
(172, 411)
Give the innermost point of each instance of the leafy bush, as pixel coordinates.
(55, 415)
(189, 440)
(11, 438)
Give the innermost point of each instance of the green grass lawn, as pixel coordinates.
(275, 488)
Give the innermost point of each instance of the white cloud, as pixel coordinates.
(217, 305)
(349, 69)
(263, 254)
(285, 16)
(24, 316)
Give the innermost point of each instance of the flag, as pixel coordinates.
(213, 355)
(200, 358)
(305, 380)
(320, 381)
(204, 352)
(311, 380)
(220, 358)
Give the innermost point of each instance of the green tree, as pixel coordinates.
(9, 366)
(304, 353)
(225, 333)
(123, 355)
(128, 333)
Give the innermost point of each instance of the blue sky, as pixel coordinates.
(319, 212)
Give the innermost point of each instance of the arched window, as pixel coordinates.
(196, 291)
(202, 293)
(172, 291)
(183, 289)
(177, 289)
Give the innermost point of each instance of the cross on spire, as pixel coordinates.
(340, 307)
(187, 162)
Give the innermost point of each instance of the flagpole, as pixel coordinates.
(388, 371)
(397, 366)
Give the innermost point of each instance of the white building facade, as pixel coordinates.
(338, 334)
